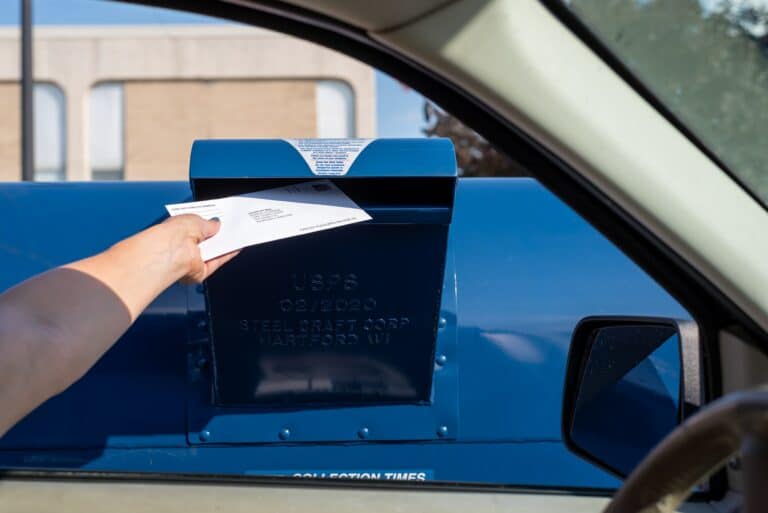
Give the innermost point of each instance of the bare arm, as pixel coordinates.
(55, 326)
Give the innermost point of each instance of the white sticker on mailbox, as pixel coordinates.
(329, 157)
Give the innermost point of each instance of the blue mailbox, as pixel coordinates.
(297, 394)
(332, 336)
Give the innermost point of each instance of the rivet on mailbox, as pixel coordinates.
(347, 316)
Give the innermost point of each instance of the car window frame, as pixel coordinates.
(575, 24)
(693, 291)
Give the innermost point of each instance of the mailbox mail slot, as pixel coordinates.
(347, 316)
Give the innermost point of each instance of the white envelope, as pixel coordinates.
(272, 214)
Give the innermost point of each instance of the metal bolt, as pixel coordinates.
(442, 431)
(363, 433)
(734, 463)
(441, 360)
(284, 434)
(202, 324)
(204, 435)
(441, 323)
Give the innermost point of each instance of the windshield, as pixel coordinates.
(706, 61)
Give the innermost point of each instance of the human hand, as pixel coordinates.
(184, 233)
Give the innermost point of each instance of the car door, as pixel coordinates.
(502, 67)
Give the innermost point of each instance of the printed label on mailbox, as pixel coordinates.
(329, 157)
(363, 475)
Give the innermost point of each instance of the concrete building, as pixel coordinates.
(126, 102)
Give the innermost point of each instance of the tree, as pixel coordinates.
(474, 155)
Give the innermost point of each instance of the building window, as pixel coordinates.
(335, 109)
(50, 130)
(144, 129)
(106, 132)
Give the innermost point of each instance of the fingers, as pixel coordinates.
(210, 227)
(194, 229)
(195, 226)
(212, 265)
(209, 268)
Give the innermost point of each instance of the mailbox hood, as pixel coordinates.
(309, 158)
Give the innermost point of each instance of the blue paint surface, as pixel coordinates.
(348, 370)
(526, 269)
(276, 158)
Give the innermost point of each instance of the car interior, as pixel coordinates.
(654, 399)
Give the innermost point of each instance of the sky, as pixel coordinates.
(398, 109)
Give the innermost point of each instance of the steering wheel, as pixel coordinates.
(696, 449)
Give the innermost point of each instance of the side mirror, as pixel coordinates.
(629, 382)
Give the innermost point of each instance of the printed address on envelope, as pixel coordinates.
(272, 214)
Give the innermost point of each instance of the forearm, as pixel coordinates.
(139, 268)
(55, 326)
(48, 339)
